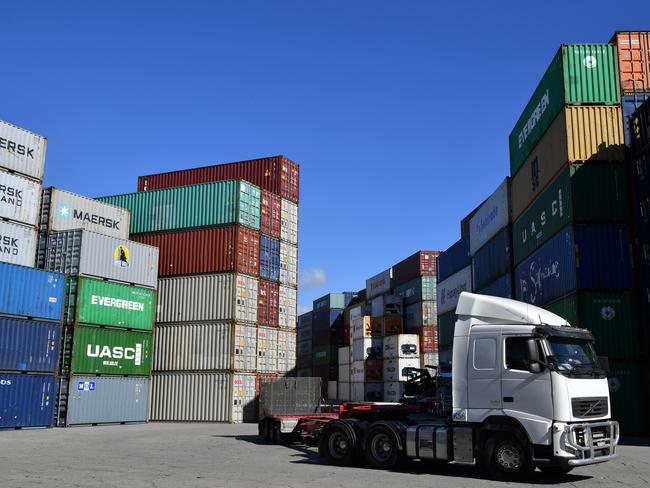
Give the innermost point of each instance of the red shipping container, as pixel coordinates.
(633, 60)
(268, 303)
(271, 214)
(216, 250)
(276, 174)
(422, 263)
(428, 340)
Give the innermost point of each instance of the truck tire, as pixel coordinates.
(266, 429)
(506, 458)
(555, 471)
(337, 446)
(382, 448)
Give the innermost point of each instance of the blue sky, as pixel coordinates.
(398, 112)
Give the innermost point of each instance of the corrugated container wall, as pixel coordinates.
(630, 104)
(578, 74)
(17, 244)
(289, 222)
(62, 210)
(22, 151)
(627, 399)
(29, 292)
(220, 203)
(27, 400)
(634, 60)
(268, 301)
(417, 290)
(269, 258)
(216, 250)
(501, 287)
(288, 307)
(640, 130)
(492, 260)
(270, 214)
(277, 174)
(490, 218)
(422, 263)
(101, 400)
(29, 345)
(208, 298)
(379, 284)
(288, 264)
(20, 199)
(454, 259)
(85, 253)
(286, 351)
(449, 290)
(267, 350)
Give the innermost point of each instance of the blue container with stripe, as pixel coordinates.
(269, 258)
(29, 292)
(453, 259)
(501, 287)
(493, 259)
(29, 345)
(27, 400)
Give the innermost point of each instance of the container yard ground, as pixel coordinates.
(177, 455)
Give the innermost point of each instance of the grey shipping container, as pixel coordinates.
(22, 151)
(210, 346)
(208, 298)
(102, 400)
(203, 397)
(84, 253)
(19, 199)
(62, 210)
(17, 244)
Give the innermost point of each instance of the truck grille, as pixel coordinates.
(587, 408)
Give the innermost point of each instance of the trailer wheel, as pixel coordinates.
(337, 446)
(382, 448)
(507, 458)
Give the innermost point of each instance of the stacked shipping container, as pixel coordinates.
(228, 282)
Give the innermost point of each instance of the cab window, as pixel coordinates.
(517, 353)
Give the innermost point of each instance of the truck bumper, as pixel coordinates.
(586, 443)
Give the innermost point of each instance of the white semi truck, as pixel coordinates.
(527, 391)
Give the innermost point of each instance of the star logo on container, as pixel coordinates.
(589, 62)
(63, 211)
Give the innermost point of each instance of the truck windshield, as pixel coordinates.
(574, 357)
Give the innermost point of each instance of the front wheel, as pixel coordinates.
(507, 458)
(337, 446)
(382, 448)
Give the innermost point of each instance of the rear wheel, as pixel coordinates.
(382, 448)
(337, 446)
(507, 458)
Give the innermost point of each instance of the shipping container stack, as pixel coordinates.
(226, 318)
(31, 301)
(304, 345)
(109, 309)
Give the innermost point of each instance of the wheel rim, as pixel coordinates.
(339, 445)
(381, 447)
(509, 456)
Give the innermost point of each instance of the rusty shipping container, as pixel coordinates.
(422, 263)
(578, 134)
(634, 60)
(201, 251)
(268, 302)
(276, 174)
(270, 213)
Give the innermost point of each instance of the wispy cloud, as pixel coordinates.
(313, 277)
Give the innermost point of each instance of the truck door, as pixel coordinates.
(484, 374)
(527, 396)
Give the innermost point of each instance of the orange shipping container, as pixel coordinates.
(578, 134)
(633, 60)
(392, 325)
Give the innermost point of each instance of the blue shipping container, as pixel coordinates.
(453, 259)
(269, 258)
(596, 257)
(501, 287)
(29, 345)
(493, 259)
(27, 400)
(630, 104)
(30, 292)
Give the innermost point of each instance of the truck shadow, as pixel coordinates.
(308, 454)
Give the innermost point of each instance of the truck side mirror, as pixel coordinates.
(533, 357)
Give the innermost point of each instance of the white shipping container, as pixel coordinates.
(421, 314)
(85, 253)
(17, 244)
(384, 305)
(22, 151)
(344, 373)
(20, 199)
(288, 307)
(207, 298)
(490, 218)
(289, 222)
(379, 284)
(357, 311)
(367, 392)
(267, 350)
(205, 346)
(393, 391)
(402, 346)
(429, 359)
(332, 393)
(286, 351)
(344, 391)
(288, 264)
(367, 348)
(448, 292)
(361, 371)
(203, 397)
(394, 369)
(62, 210)
(344, 355)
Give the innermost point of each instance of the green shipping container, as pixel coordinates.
(184, 207)
(591, 192)
(610, 316)
(106, 351)
(417, 290)
(326, 355)
(579, 74)
(97, 302)
(446, 325)
(627, 387)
